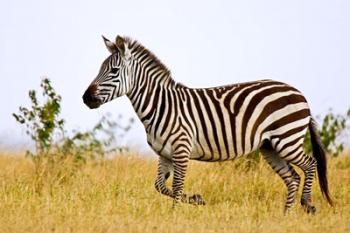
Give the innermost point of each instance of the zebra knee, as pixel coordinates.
(158, 186)
(296, 178)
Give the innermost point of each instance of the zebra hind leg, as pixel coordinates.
(308, 165)
(294, 154)
(286, 172)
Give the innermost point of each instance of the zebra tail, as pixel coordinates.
(320, 156)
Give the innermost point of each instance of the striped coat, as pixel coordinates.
(225, 122)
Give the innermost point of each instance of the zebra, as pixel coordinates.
(212, 124)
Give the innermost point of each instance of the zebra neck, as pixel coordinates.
(150, 94)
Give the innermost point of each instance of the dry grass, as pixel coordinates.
(119, 196)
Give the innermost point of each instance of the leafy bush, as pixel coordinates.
(331, 130)
(43, 120)
(97, 142)
(52, 143)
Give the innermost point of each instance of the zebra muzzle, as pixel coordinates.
(90, 99)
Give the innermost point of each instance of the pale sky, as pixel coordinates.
(203, 43)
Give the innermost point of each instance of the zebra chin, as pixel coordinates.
(93, 104)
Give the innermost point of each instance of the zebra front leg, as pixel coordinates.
(164, 170)
(196, 199)
(180, 163)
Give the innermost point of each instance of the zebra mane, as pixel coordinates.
(141, 50)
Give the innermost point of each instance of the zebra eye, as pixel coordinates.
(114, 70)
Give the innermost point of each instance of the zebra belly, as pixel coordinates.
(213, 153)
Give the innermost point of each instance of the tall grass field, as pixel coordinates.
(118, 195)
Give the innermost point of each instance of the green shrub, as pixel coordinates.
(331, 130)
(97, 142)
(52, 142)
(42, 120)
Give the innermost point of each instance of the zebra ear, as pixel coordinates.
(110, 45)
(122, 47)
(120, 44)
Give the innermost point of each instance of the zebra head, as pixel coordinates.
(112, 80)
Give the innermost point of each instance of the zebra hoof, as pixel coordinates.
(196, 199)
(184, 198)
(310, 209)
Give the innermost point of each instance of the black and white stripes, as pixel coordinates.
(211, 124)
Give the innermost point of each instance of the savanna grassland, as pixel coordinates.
(118, 195)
